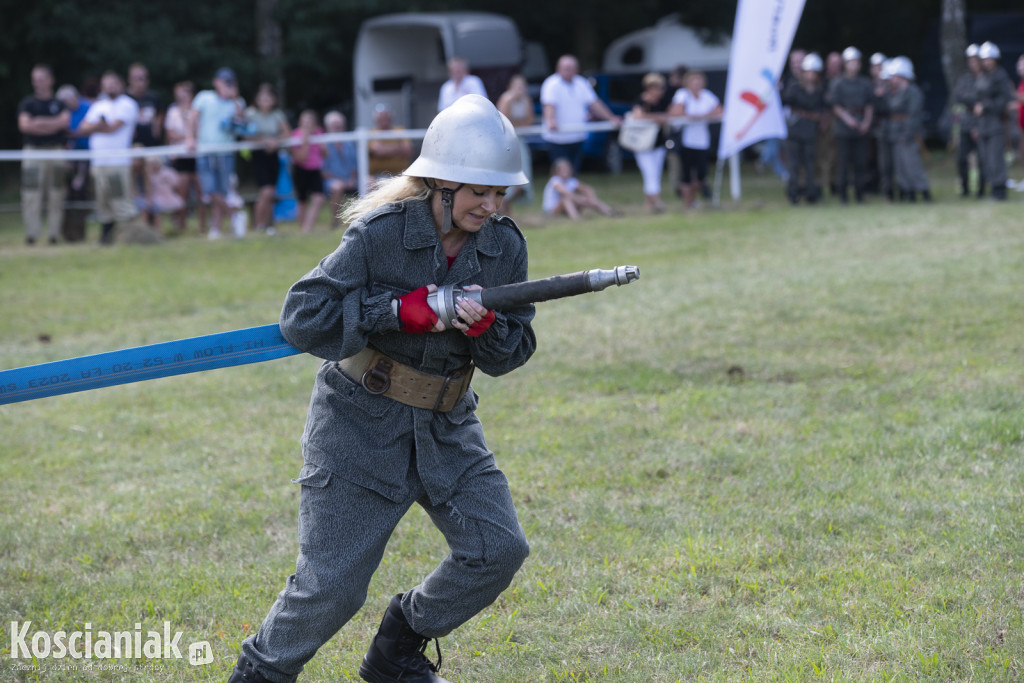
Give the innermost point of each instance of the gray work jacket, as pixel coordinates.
(344, 304)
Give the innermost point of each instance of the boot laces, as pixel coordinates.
(416, 660)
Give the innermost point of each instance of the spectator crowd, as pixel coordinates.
(131, 194)
(850, 132)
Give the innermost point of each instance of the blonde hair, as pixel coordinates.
(388, 190)
(653, 80)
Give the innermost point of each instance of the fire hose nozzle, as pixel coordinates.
(620, 275)
(504, 297)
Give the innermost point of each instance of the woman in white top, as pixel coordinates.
(698, 104)
(517, 105)
(176, 122)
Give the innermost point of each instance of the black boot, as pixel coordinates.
(396, 654)
(926, 195)
(245, 672)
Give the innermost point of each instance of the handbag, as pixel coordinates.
(638, 135)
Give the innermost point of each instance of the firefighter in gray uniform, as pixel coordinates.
(995, 92)
(879, 124)
(906, 107)
(851, 99)
(965, 93)
(392, 421)
(806, 101)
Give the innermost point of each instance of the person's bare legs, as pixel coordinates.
(218, 210)
(263, 210)
(568, 207)
(184, 181)
(587, 198)
(310, 210)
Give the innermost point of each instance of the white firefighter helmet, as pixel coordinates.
(851, 53)
(902, 66)
(877, 59)
(972, 50)
(886, 72)
(988, 50)
(470, 142)
(812, 62)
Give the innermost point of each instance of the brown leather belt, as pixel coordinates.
(382, 375)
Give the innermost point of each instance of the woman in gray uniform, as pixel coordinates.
(906, 109)
(391, 422)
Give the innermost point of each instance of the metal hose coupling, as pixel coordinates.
(506, 297)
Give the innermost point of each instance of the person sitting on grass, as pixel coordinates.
(564, 194)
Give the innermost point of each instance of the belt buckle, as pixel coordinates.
(458, 375)
(377, 379)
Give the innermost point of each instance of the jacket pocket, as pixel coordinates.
(311, 475)
(349, 391)
(464, 408)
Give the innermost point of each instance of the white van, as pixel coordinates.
(401, 60)
(664, 46)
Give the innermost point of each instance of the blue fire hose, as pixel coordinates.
(258, 344)
(221, 350)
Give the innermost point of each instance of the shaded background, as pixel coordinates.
(305, 46)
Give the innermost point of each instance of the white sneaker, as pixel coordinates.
(214, 234)
(239, 223)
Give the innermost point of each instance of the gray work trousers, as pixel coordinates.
(343, 530)
(968, 143)
(992, 155)
(910, 175)
(851, 151)
(885, 167)
(801, 156)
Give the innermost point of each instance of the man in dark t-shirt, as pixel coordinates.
(43, 122)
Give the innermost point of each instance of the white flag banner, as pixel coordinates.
(761, 40)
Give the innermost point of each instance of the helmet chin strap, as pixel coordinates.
(447, 197)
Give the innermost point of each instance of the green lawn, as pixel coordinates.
(792, 451)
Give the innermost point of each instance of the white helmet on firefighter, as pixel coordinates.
(988, 50)
(851, 53)
(812, 62)
(972, 50)
(470, 142)
(902, 66)
(877, 59)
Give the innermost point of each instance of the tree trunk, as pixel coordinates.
(269, 46)
(953, 39)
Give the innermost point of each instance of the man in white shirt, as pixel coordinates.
(110, 124)
(460, 82)
(569, 100)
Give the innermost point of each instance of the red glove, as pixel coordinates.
(414, 312)
(481, 325)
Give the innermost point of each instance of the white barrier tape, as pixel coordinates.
(183, 151)
(353, 136)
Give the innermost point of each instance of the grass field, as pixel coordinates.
(793, 451)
